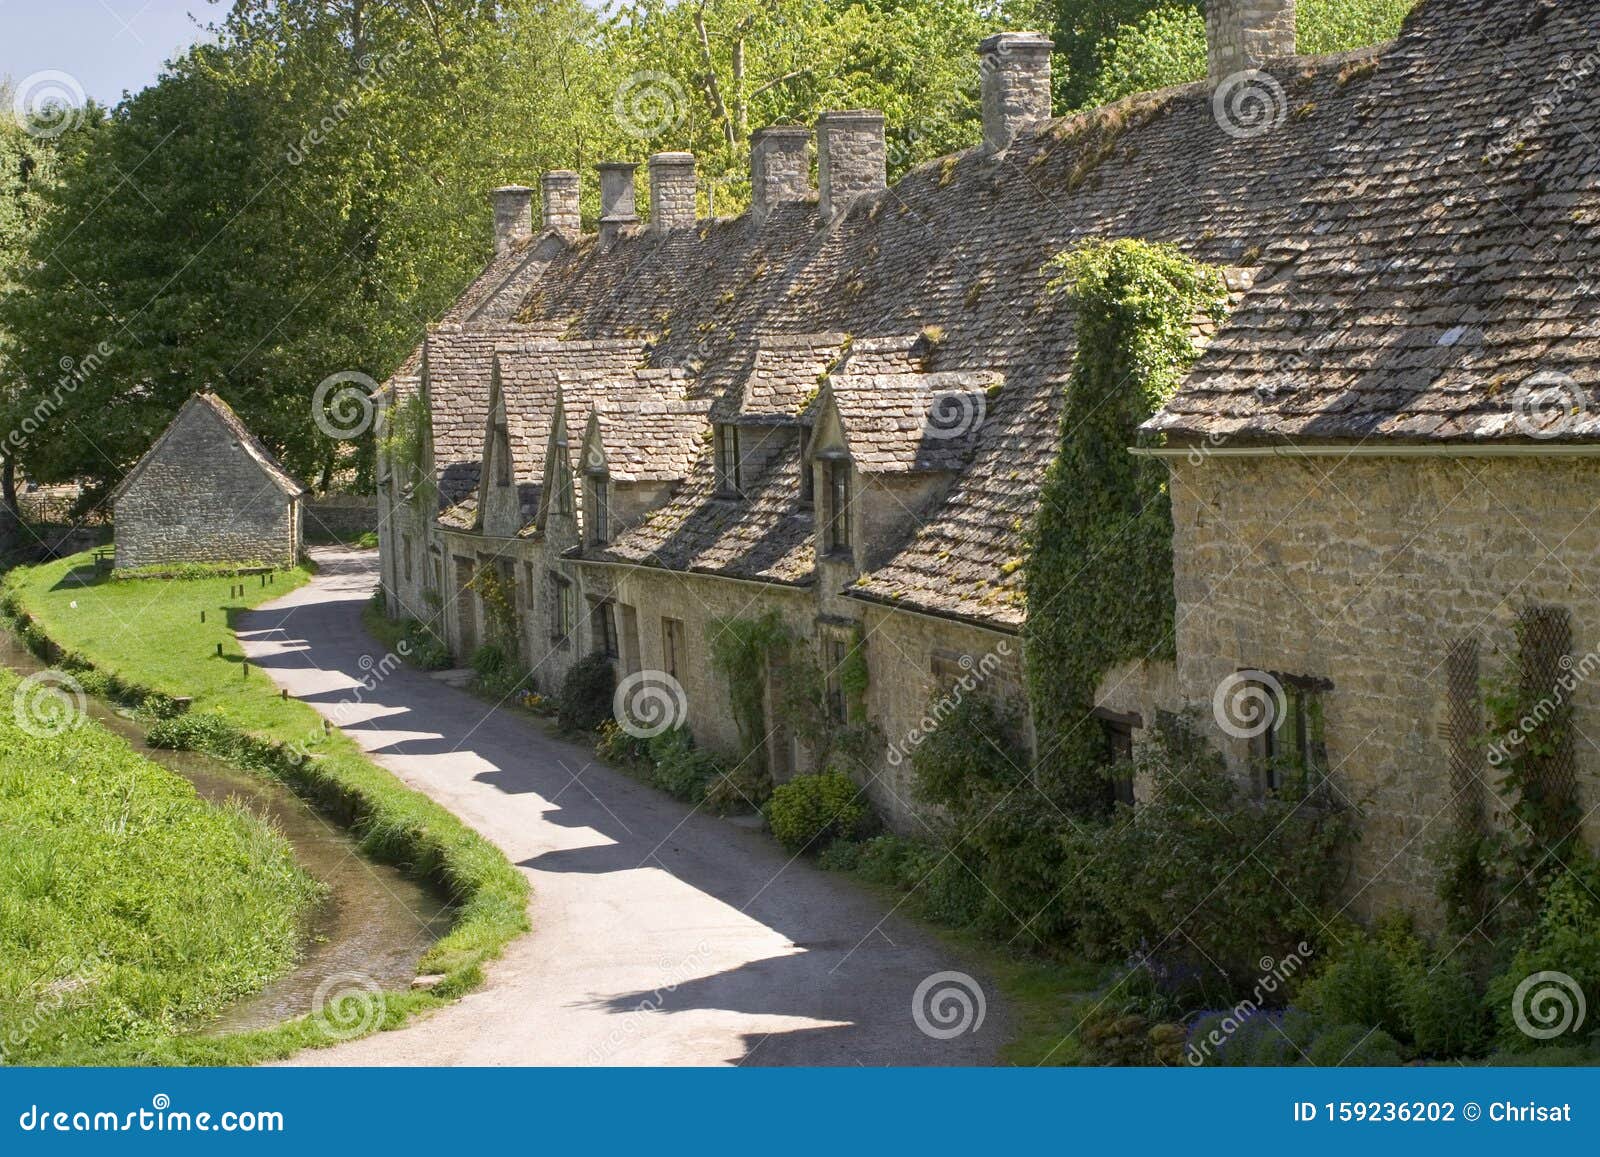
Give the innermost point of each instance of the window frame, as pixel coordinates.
(838, 497)
(730, 483)
(563, 623)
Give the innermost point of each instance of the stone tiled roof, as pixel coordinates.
(1444, 287)
(899, 423)
(650, 440)
(766, 534)
(784, 379)
(945, 273)
(274, 470)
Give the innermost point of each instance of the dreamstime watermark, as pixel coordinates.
(1574, 673)
(49, 103)
(74, 372)
(74, 974)
(1548, 405)
(373, 70)
(647, 703)
(648, 104)
(347, 1005)
(1249, 104)
(1549, 1004)
(948, 1004)
(342, 404)
(951, 414)
(1275, 974)
(1575, 76)
(49, 703)
(1249, 703)
(677, 973)
(973, 675)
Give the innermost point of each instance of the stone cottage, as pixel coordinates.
(839, 406)
(207, 491)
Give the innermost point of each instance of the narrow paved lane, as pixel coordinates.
(661, 936)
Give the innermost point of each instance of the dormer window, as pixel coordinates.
(600, 509)
(836, 503)
(728, 480)
(807, 487)
(502, 460)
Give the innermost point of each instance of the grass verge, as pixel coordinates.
(104, 939)
(143, 644)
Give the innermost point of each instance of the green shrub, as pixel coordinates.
(1354, 1046)
(679, 768)
(1564, 938)
(1175, 877)
(811, 809)
(424, 649)
(585, 699)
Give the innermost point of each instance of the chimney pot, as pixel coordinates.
(852, 160)
(561, 201)
(1242, 35)
(780, 168)
(671, 191)
(616, 198)
(1016, 85)
(513, 216)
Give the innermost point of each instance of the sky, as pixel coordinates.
(104, 46)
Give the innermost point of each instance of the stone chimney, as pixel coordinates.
(851, 158)
(616, 199)
(513, 215)
(1245, 34)
(671, 191)
(780, 169)
(1016, 85)
(561, 201)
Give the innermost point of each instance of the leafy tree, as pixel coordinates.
(1165, 44)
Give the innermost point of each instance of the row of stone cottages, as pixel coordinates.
(840, 405)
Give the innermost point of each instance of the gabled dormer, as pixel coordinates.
(635, 454)
(503, 495)
(888, 441)
(558, 519)
(771, 411)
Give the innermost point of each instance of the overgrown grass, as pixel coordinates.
(105, 935)
(143, 643)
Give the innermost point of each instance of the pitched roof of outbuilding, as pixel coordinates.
(271, 468)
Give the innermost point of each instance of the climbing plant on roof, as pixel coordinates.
(1099, 568)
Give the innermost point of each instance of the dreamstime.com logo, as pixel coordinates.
(342, 405)
(347, 1005)
(1548, 405)
(159, 1117)
(1249, 104)
(47, 104)
(49, 703)
(1249, 703)
(948, 1004)
(648, 104)
(951, 414)
(1549, 1004)
(647, 703)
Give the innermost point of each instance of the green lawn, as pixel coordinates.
(106, 936)
(131, 639)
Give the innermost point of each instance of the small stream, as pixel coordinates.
(375, 922)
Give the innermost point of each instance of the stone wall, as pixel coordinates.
(341, 516)
(1363, 572)
(203, 498)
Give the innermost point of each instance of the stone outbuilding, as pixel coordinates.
(208, 491)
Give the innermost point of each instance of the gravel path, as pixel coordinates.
(661, 936)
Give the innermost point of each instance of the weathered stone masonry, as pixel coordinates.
(207, 491)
